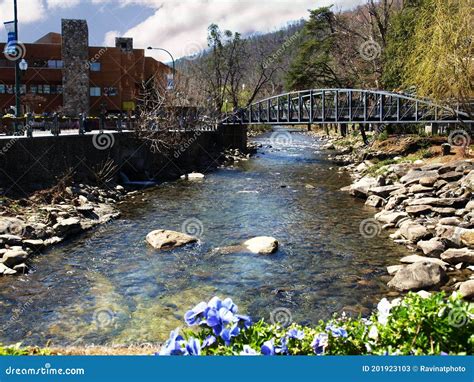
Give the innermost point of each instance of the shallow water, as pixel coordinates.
(109, 286)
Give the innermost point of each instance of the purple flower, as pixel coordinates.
(173, 345)
(319, 344)
(194, 316)
(268, 347)
(296, 334)
(247, 322)
(337, 331)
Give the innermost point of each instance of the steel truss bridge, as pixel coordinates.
(320, 106)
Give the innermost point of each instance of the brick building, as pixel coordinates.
(65, 74)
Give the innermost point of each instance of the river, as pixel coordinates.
(108, 286)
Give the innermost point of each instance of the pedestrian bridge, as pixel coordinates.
(320, 106)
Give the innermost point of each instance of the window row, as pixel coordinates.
(56, 89)
(108, 91)
(50, 64)
(34, 89)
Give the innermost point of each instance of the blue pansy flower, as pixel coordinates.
(319, 344)
(173, 346)
(337, 331)
(194, 316)
(208, 341)
(268, 347)
(193, 347)
(296, 334)
(228, 333)
(247, 350)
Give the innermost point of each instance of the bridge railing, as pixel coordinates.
(346, 106)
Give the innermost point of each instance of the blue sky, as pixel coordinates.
(177, 25)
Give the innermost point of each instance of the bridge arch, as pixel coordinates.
(320, 106)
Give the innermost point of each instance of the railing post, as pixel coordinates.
(323, 100)
(311, 106)
(336, 106)
(381, 107)
(269, 110)
(82, 123)
(349, 102)
(299, 107)
(398, 109)
(288, 113)
(29, 125)
(56, 130)
(365, 107)
(278, 109)
(119, 123)
(416, 111)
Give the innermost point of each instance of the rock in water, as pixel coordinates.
(193, 176)
(419, 275)
(165, 239)
(14, 257)
(263, 245)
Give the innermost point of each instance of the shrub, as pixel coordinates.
(409, 326)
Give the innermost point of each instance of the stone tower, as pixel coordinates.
(75, 53)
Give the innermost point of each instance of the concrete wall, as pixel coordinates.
(35, 163)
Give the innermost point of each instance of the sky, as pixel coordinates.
(177, 25)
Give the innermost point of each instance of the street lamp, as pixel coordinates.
(172, 59)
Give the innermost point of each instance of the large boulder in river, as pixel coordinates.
(414, 176)
(165, 239)
(388, 217)
(417, 276)
(263, 245)
(67, 227)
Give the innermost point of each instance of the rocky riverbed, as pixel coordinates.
(28, 226)
(429, 208)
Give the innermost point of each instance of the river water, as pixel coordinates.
(109, 286)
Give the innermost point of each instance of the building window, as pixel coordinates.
(33, 89)
(110, 91)
(10, 89)
(46, 89)
(55, 64)
(3, 89)
(95, 66)
(95, 92)
(22, 89)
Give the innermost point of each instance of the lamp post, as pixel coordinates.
(172, 59)
(17, 68)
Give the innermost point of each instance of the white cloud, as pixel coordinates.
(110, 38)
(181, 26)
(62, 3)
(28, 10)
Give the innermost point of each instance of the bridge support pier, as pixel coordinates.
(233, 136)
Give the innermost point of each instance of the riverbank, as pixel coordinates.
(423, 196)
(32, 224)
